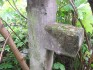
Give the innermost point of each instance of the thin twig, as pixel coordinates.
(86, 37)
(74, 7)
(11, 5)
(75, 10)
(1, 54)
(18, 10)
(15, 8)
(74, 13)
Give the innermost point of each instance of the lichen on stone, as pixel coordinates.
(68, 38)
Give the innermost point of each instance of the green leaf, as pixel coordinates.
(7, 48)
(84, 48)
(92, 65)
(79, 2)
(59, 66)
(20, 44)
(1, 2)
(68, 7)
(85, 15)
(5, 66)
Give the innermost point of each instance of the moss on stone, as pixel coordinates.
(60, 29)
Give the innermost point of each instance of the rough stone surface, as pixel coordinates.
(66, 39)
(39, 14)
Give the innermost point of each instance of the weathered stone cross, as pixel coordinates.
(66, 39)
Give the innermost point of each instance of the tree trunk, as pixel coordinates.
(39, 14)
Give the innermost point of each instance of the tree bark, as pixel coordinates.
(40, 13)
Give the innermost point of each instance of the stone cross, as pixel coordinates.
(66, 39)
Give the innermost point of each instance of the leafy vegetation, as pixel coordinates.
(13, 20)
(64, 15)
(13, 12)
(59, 66)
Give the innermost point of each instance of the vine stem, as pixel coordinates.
(86, 37)
(76, 13)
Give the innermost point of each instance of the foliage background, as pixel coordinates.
(83, 61)
(14, 13)
(11, 16)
